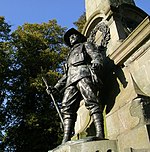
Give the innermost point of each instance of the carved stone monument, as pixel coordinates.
(126, 80)
(126, 90)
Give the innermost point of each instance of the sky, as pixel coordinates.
(66, 12)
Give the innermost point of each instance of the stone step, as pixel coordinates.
(87, 146)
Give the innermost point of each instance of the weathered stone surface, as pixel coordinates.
(136, 150)
(140, 108)
(137, 138)
(139, 67)
(120, 118)
(132, 43)
(120, 122)
(130, 116)
(92, 146)
(128, 88)
(122, 20)
(103, 5)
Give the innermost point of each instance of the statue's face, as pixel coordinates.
(73, 39)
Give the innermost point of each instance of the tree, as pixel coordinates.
(4, 68)
(80, 22)
(4, 57)
(32, 121)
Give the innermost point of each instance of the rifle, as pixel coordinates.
(55, 104)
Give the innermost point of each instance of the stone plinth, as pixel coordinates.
(126, 91)
(91, 146)
(129, 118)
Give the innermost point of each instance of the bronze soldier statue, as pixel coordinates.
(80, 81)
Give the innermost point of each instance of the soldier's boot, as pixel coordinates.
(99, 125)
(68, 125)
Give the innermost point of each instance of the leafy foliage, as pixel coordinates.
(28, 119)
(80, 22)
(4, 69)
(32, 123)
(4, 30)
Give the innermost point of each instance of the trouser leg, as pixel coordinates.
(89, 94)
(99, 125)
(70, 105)
(68, 129)
(92, 104)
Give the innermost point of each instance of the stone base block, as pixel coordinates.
(135, 140)
(90, 146)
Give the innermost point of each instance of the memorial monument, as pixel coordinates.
(125, 93)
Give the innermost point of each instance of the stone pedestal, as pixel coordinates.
(91, 146)
(128, 119)
(126, 91)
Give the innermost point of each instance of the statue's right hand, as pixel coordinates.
(52, 90)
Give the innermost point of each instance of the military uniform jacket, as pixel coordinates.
(78, 63)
